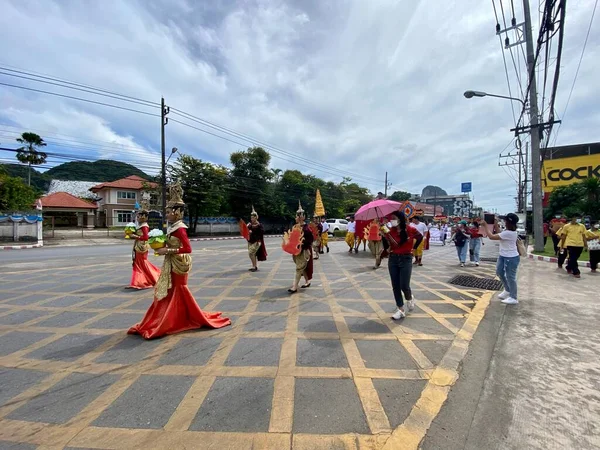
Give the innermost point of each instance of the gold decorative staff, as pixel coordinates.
(319, 208)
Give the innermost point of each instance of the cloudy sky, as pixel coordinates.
(359, 87)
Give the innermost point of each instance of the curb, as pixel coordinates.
(229, 238)
(22, 247)
(552, 259)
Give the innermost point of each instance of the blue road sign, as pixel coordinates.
(466, 187)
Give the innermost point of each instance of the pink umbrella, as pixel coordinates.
(377, 209)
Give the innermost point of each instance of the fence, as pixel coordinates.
(74, 226)
(20, 227)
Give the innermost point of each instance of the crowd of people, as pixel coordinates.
(395, 236)
(570, 239)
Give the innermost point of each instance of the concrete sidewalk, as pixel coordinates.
(532, 374)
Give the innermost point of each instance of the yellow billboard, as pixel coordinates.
(564, 171)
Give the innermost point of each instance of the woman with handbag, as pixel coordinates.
(403, 240)
(509, 257)
(461, 240)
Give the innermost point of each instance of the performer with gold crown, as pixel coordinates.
(144, 274)
(298, 242)
(174, 308)
(256, 243)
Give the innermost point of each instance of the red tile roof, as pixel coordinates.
(131, 182)
(66, 200)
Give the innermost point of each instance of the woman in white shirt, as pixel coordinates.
(508, 259)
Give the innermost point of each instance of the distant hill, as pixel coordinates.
(38, 180)
(432, 191)
(101, 170)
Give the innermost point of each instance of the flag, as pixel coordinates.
(319, 208)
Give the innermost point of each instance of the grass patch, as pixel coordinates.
(549, 251)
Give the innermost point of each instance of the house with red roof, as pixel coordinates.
(117, 199)
(69, 209)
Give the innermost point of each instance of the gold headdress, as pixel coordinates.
(300, 210)
(144, 208)
(253, 213)
(175, 196)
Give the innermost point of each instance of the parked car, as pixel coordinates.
(337, 225)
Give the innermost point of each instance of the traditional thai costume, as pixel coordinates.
(317, 230)
(144, 274)
(304, 260)
(256, 242)
(174, 308)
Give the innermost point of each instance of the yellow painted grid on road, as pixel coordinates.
(175, 434)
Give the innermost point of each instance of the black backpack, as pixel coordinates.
(460, 238)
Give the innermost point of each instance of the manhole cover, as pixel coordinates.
(488, 259)
(470, 281)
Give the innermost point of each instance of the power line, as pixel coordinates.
(79, 98)
(577, 71)
(46, 77)
(60, 84)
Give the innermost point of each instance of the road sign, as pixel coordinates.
(466, 187)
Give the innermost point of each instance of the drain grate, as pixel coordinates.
(488, 259)
(470, 281)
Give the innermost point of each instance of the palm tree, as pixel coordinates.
(29, 154)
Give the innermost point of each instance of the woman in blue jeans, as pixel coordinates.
(508, 259)
(403, 239)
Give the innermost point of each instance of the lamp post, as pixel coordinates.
(471, 94)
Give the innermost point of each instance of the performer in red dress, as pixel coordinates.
(145, 274)
(174, 308)
(256, 243)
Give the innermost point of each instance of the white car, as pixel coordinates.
(337, 225)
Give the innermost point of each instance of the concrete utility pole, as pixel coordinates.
(386, 185)
(164, 110)
(536, 165)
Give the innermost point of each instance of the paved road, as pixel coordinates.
(323, 369)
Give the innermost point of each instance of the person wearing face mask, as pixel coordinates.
(403, 240)
(593, 241)
(573, 237)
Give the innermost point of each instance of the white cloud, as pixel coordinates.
(365, 87)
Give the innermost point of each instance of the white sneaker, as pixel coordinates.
(477, 264)
(411, 303)
(399, 314)
(503, 295)
(462, 264)
(510, 301)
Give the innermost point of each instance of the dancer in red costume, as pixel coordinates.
(144, 274)
(174, 308)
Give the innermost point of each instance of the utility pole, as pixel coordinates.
(164, 110)
(536, 175)
(386, 185)
(525, 177)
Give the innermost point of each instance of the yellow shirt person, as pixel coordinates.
(573, 235)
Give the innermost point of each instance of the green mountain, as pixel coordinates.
(38, 180)
(101, 170)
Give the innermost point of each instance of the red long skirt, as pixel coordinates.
(177, 312)
(144, 273)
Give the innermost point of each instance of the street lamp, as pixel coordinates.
(471, 94)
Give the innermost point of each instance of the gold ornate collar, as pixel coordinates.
(176, 226)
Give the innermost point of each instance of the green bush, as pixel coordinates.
(339, 233)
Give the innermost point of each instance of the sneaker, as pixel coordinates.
(462, 264)
(577, 276)
(399, 314)
(503, 295)
(477, 264)
(510, 301)
(411, 303)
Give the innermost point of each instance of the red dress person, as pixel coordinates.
(174, 308)
(144, 274)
